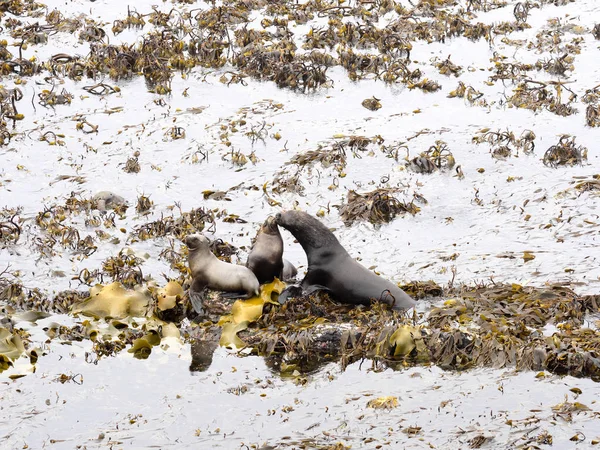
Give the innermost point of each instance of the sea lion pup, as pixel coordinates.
(108, 200)
(266, 257)
(210, 272)
(331, 268)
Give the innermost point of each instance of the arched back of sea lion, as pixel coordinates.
(307, 229)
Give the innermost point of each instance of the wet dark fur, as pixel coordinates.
(266, 257)
(308, 230)
(330, 267)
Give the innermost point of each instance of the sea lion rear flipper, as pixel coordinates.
(399, 302)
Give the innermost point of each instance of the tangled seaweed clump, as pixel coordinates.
(592, 112)
(8, 108)
(437, 157)
(377, 207)
(592, 185)
(535, 95)
(10, 226)
(335, 153)
(473, 96)
(447, 67)
(565, 153)
(124, 268)
(503, 142)
(332, 154)
(58, 227)
(16, 295)
(190, 222)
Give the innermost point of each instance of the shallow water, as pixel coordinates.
(182, 409)
(159, 403)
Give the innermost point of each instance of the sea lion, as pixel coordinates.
(289, 271)
(331, 268)
(266, 257)
(210, 272)
(108, 200)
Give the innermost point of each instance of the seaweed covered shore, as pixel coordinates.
(500, 326)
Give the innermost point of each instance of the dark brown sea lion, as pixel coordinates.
(331, 268)
(210, 272)
(266, 257)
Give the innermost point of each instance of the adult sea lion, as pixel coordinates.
(266, 257)
(210, 272)
(331, 268)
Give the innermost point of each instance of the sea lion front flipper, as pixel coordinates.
(314, 288)
(197, 300)
(290, 291)
(310, 284)
(299, 291)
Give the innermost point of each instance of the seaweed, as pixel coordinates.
(565, 153)
(503, 143)
(187, 223)
(535, 96)
(377, 207)
(437, 157)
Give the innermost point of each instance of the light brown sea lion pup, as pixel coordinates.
(210, 272)
(331, 268)
(105, 200)
(266, 257)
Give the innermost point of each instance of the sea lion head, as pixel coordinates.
(196, 241)
(269, 226)
(104, 200)
(308, 230)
